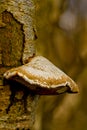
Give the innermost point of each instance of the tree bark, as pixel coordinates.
(17, 36)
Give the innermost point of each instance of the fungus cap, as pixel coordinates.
(42, 77)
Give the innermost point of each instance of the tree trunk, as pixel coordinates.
(17, 36)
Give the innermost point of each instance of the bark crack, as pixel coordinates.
(12, 40)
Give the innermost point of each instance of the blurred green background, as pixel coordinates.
(62, 38)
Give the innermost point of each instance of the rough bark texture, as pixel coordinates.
(17, 35)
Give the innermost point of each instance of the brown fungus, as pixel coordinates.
(42, 77)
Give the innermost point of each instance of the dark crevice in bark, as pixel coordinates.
(14, 96)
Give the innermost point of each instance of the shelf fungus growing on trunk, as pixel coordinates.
(41, 77)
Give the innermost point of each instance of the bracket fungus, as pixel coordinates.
(42, 77)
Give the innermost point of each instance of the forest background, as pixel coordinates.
(62, 38)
